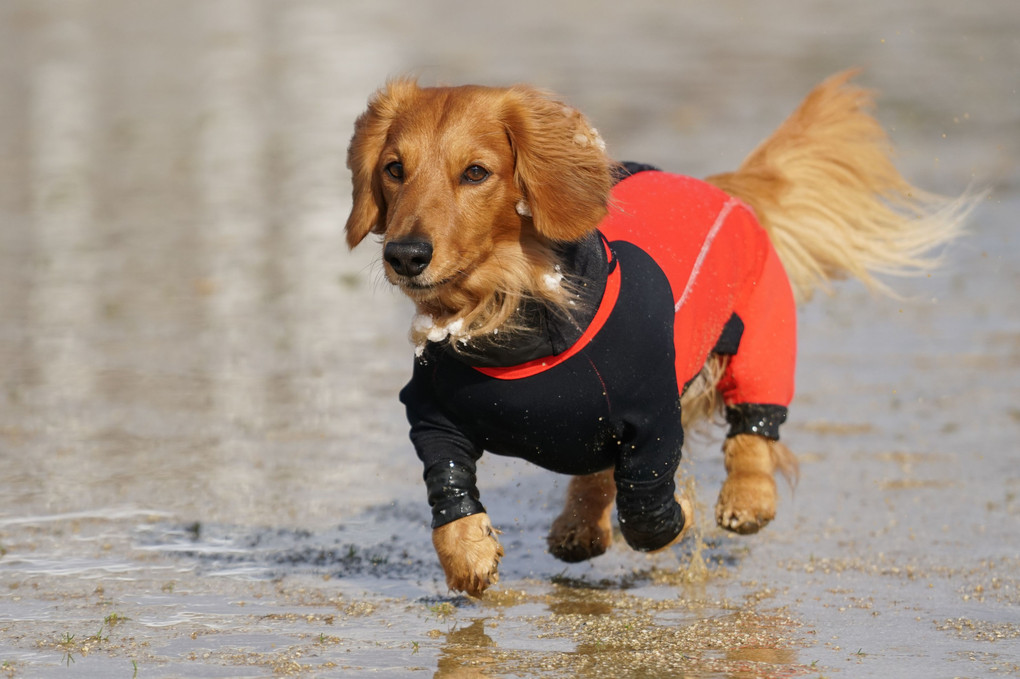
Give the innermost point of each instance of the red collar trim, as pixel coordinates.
(609, 297)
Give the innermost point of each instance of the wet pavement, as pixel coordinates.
(205, 471)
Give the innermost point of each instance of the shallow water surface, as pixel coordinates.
(206, 472)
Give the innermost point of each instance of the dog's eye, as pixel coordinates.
(475, 174)
(395, 170)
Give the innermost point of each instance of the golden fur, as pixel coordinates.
(488, 257)
(469, 552)
(823, 185)
(825, 188)
(747, 500)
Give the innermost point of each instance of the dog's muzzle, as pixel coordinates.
(408, 257)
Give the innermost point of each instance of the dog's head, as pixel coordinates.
(469, 187)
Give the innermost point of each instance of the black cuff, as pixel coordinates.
(755, 418)
(646, 529)
(622, 170)
(729, 339)
(452, 493)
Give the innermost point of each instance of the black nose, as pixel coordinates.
(408, 257)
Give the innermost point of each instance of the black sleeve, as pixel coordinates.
(445, 449)
(650, 517)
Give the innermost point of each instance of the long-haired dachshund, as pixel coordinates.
(571, 309)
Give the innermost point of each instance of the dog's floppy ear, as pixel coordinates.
(561, 165)
(368, 213)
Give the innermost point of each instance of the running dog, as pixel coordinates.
(578, 312)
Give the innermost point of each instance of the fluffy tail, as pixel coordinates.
(824, 187)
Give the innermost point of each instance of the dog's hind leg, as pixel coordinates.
(757, 386)
(583, 529)
(747, 500)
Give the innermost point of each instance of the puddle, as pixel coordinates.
(205, 472)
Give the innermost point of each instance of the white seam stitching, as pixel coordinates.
(719, 220)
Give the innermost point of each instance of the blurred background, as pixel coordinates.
(173, 278)
(184, 335)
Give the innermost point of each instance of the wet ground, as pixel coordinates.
(205, 472)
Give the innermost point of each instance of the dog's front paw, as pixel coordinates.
(574, 537)
(747, 503)
(688, 511)
(469, 552)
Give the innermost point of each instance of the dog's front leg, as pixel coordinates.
(583, 529)
(747, 500)
(469, 552)
(688, 511)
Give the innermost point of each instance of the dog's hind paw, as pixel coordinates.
(747, 503)
(572, 539)
(747, 500)
(583, 530)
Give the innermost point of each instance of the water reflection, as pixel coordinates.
(467, 653)
(61, 291)
(231, 185)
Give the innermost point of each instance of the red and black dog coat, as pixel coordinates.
(686, 270)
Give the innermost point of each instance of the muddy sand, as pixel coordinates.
(206, 473)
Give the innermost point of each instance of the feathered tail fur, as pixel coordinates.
(824, 187)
